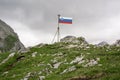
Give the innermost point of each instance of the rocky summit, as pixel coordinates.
(117, 43)
(71, 59)
(73, 39)
(103, 43)
(9, 40)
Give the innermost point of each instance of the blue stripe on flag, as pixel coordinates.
(65, 20)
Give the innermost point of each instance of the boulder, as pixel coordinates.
(73, 39)
(67, 39)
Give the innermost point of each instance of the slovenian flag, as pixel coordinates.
(65, 20)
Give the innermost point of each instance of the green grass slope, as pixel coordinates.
(62, 61)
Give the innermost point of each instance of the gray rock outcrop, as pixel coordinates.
(117, 43)
(103, 43)
(9, 40)
(73, 39)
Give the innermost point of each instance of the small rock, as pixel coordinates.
(27, 76)
(34, 54)
(77, 59)
(99, 64)
(87, 47)
(60, 54)
(69, 70)
(64, 71)
(91, 63)
(41, 77)
(41, 64)
(87, 53)
(72, 69)
(5, 73)
(71, 46)
(54, 61)
(40, 54)
(82, 61)
(40, 72)
(10, 55)
(57, 65)
(47, 71)
(98, 59)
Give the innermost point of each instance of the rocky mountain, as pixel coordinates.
(65, 60)
(9, 40)
(117, 43)
(103, 43)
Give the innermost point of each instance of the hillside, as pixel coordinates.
(72, 59)
(9, 40)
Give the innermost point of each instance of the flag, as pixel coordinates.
(65, 20)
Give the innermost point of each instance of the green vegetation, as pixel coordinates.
(40, 61)
(9, 42)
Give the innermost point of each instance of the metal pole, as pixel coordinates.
(54, 36)
(58, 29)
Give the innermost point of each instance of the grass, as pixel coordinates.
(109, 60)
(9, 42)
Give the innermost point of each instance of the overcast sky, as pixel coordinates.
(35, 21)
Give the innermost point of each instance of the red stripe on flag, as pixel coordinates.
(65, 22)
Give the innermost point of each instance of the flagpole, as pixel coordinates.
(58, 29)
(61, 20)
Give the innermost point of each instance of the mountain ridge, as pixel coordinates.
(9, 40)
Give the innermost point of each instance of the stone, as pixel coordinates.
(70, 69)
(34, 54)
(71, 46)
(56, 65)
(27, 76)
(69, 39)
(87, 53)
(5, 73)
(58, 54)
(99, 64)
(92, 62)
(78, 42)
(77, 60)
(10, 55)
(54, 61)
(64, 71)
(41, 77)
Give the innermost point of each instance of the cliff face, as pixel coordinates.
(9, 40)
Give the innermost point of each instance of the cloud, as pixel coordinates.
(96, 20)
